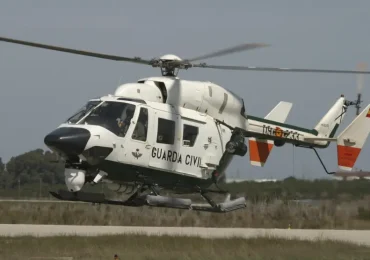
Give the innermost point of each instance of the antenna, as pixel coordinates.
(119, 82)
(360, 85)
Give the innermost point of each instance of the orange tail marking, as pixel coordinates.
(368, 113)
(259, 150)
(347, 155)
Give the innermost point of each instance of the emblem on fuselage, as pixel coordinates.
(137, 154)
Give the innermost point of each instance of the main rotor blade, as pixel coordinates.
(203, 65)
(360, 78)
(79, 52)
(238, 48)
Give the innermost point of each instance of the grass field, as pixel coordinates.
(275, 214)
(142, 247)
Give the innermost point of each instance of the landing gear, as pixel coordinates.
(154, 199)
(226, 206)
(211, 206)
(236, 144)
(98, 198)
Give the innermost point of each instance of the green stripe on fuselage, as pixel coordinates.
(334, 131)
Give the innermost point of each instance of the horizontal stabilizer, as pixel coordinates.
(320, 139)
(259, 149)
(352, 139)
(280, 112)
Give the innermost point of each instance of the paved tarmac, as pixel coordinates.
(40, 201)
(353, 236)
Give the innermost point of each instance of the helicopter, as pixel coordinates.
(166, 134)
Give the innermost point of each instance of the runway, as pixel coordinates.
(352, 236)
(40, 201)
(310, 202)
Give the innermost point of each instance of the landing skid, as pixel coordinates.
(93, 198)
(153, 201)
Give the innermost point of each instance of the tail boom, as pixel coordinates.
(280, 133)
(349, 142)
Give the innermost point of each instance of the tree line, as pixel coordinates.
(31, 167)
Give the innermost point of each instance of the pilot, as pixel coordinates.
(125, 124)
(140, 133)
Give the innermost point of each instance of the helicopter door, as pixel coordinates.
(139, 142)
(165, 152)
(192, 136)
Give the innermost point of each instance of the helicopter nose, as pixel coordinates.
(69, 140)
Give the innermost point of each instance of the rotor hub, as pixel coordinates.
(169, 64)
(170, 57)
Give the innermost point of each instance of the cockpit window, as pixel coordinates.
(114, 116)
(83, 111)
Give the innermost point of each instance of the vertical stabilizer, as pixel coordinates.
(352, 139)
(329, 124)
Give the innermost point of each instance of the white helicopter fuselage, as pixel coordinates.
(178, 142)
(185, 130)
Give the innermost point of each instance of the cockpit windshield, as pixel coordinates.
(114, 116)
(83, 111)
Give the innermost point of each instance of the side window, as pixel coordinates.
(166, 131)
(141, 128)
(189, 135)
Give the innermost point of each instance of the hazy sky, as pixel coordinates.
(41, 88)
